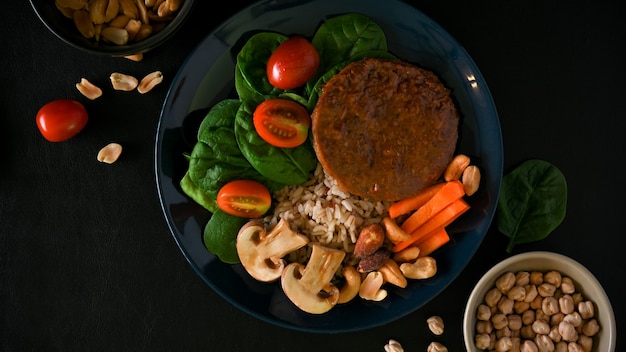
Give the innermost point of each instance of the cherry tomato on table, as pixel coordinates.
(282, 123)
(292, 63)
(244, 198)
(62, 119)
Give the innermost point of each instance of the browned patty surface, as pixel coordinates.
(385, 129)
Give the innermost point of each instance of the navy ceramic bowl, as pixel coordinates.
(65, 29)
(207, 77)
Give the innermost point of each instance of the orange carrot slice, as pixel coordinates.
(439, 221)
(433, 241)
(448, 193)
(412, 203)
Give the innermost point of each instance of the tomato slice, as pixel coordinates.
(62, 119)
(282, 123)
(244, 198)
(292, 63)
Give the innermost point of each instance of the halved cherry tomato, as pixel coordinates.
(282, 123)
(62, 119)
(292, 63)
(244, 198)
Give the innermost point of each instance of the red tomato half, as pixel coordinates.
(282, 123)
(244, 198)
(292, 63)
(62, 119)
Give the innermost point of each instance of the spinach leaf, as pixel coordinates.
(347, 36)
(216, 158)
(532, 202)
(220, 236)
(251, 80)
(197, 194)
(290, 166)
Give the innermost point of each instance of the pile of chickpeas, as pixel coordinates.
(535, 312)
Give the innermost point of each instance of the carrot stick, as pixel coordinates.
(412, 203)
(448, 193)
(434, 241)
(441, 220)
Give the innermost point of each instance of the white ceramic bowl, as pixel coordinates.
(586, 283)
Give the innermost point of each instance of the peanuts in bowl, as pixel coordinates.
(539, 301)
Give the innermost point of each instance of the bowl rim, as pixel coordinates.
(489, 277)
(140, 47)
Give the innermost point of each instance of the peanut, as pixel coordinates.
(123, 82)
(93, 17)
(149, 82)
(88, 89)
(471, 179)
(110, 153)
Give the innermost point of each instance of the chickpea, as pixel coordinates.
(522, 278)
(493, 297)
(505, 305)
(541, 327)
(499, 321)
(531, 293)
(566, 304)
(484, 327)
(568, 331)
(574, 347)
(553, 277)
(560, 346)
(517, 293)
(586, 309)
(483, 313)
(585, 342)
(515, 322)
(546, 289)
(550, 306)
(574, 319)
(505, 282)
(536, 278)
(529, 346)
(591, 327)
(528, 317)
(482, 341)
(567, 285)
(544, 343)
(504, 344)
(521, 306)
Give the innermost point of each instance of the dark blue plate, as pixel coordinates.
(207, 77)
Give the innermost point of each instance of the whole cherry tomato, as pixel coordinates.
(282, 123)
(244, 198)
(292, 63)
(62, 119)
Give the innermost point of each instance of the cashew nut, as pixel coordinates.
(351, 288)
(455, 169)
(422, 268)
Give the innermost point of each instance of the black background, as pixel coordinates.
(86, 259)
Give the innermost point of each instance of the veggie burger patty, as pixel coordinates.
(384, 129)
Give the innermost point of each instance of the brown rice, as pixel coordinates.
(323, 211)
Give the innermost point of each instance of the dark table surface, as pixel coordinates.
(87, 262)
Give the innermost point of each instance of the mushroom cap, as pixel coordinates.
(310, 301)
(261, 252)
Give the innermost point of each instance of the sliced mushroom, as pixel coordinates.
(309, 287)
(261, 252)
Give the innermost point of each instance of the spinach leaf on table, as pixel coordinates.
(532, 202)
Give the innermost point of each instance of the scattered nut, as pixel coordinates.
(149, 82)
(136, 57)
(110, 153)
(393, 346)
(88, 89)
(394, 232)
(435, 324)
(123, 82)
(437, 347)
(406, 255)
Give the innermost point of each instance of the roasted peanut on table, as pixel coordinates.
(119, 22)
(548, 315)
(110, 153)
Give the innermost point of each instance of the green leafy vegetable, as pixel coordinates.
(220, 236)
(532, 202)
